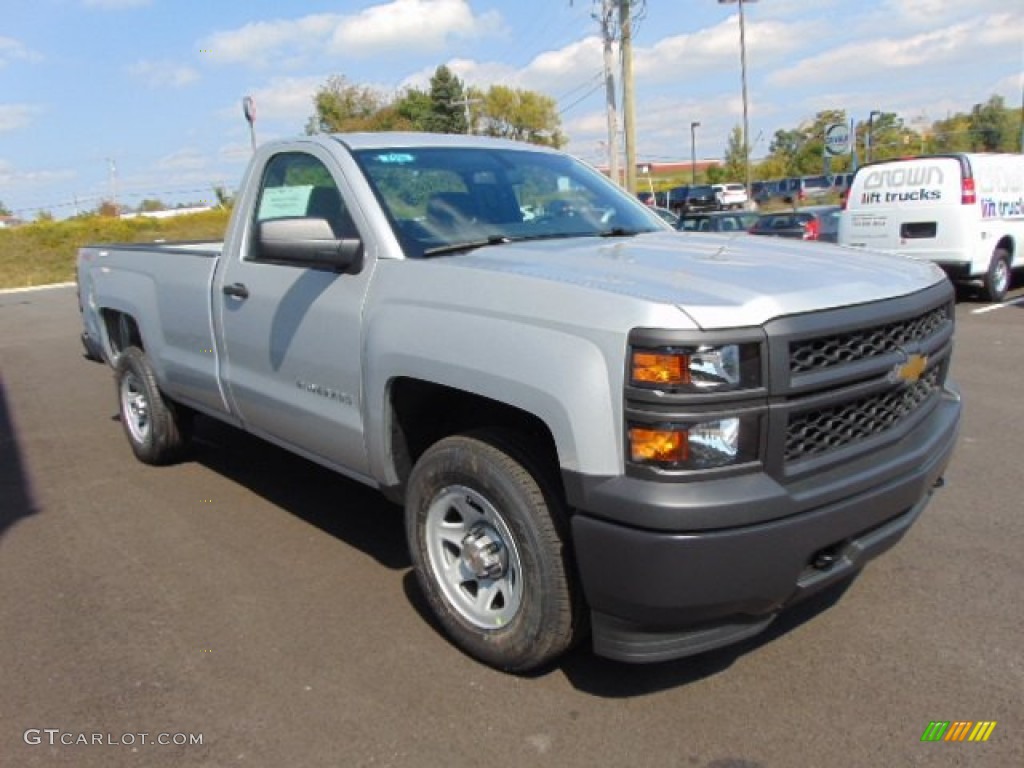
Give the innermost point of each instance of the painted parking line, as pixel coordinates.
(994, 307)
(31, 288)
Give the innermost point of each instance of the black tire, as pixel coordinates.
(475, 502)
(997, 279)
(158, 429)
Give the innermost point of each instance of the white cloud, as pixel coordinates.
(163, 74)
(12, 177)
(15, 50)
(790, 8)
(259, 42)
(284, 98)
(570, 72)
(882, 56)
(188, 159)
(235, 153)
(114, 5)
(928, 13)
(420, 25)
(710, 50)
(15, 116)
(401, 25)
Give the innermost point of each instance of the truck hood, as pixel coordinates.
(719, 281)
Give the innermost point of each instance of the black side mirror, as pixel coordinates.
(307, 241)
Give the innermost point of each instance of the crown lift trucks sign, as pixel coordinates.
(837, 143)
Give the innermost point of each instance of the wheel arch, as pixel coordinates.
(419, 413)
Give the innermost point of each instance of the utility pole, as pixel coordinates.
(608, 36)
(693, 151)
(743, 88)
(465, 103)
(628, 100)
(112, 167)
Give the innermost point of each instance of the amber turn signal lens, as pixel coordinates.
(659, 445)
(652, 368)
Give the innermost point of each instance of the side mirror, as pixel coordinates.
(307, 241)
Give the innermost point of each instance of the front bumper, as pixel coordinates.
(658, 594)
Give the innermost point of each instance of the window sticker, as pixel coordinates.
(395, 158)
(282, 202)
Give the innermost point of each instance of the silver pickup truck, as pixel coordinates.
(598, 427)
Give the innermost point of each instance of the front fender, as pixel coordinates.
(562, 377)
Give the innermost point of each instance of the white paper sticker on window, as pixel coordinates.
(281, 202)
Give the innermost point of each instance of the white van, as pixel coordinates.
(963, 211)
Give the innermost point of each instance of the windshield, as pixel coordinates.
(439, 198)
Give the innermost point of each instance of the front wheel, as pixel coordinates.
(157, 429)
(997, 279)
(485, 540)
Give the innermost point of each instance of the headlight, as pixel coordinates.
(704, 368)
(705, 445)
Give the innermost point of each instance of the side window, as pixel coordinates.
(298, 185)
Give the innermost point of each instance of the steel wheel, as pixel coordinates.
(485, 527)
(473, 557)
(997, 279)
(1001, 276)
(156, 427)
(135, 407)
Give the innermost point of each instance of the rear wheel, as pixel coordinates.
(997, 279)
(487, 544)
(157, 429)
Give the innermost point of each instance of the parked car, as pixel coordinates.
(667, 215)
(731, 195)
(700, 197)
(816, 222)
(717, 221)
(764, 191)
(800, 189)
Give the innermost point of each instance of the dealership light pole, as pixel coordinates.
(743, 81)
(871, 139)
(693, 151)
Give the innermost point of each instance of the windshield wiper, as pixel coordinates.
(469, 245)
(620, 232)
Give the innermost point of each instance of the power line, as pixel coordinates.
(594, 89)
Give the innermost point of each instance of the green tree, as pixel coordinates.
(953, 134)
(224, 198)
(108, 209)
(152, 205)
(415, 108)
(4, 210)
(715, 174)
(521, 115)
(992, 126)
(735, 167)
(341, 106)
(447, 114)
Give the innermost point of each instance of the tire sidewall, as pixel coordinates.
(517, 645)
(163, 441)
(1000, 263)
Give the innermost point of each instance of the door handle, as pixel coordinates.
(238, 290)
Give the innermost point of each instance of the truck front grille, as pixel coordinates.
(819, 431)
(823, 352)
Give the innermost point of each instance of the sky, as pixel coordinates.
(142, 98)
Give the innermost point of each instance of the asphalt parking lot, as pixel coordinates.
(266, 606)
